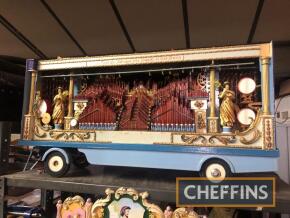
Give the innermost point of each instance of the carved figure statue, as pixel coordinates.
(168, 212)
(88, 207)
(58, 109)
(58, 209)
(227, 107)
(36, 104)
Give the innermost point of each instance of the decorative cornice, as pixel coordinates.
(229, 52)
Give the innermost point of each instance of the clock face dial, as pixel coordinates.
(46, 118)
(73, 122)
(246, 116)
(247, 85)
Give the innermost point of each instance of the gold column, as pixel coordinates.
(265, 85)
(70, 97)
(69, 116)
(212, 119)
(212, 92)
(32, 92)
(29, 118)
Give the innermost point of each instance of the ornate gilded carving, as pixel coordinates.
(98, 208)
(126, 191)
(200, 121)
(253, 125)
(75, 200)
(268, 133)
(45, 132)
(202, 80)
(154, 210)
(223, 139)
(255, 137)
(38, 133)
(69, 135)
(28, 127)
(212, 124)
(189, 139)
(184, 213)
(77, 207)
(73, 207)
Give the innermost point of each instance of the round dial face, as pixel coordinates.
(247, 85)
(246, 116)
(46, 118)
(73, 122)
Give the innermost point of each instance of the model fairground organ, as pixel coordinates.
(219, 97)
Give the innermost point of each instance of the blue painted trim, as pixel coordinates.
(154, 147)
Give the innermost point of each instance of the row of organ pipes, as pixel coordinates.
(178, 102)
(113, 105)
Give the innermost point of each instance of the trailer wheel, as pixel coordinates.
(215, 169)
(55, 164)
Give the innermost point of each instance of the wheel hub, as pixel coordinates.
(55, 164)
(215, 173)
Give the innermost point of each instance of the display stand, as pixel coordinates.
(160, 184)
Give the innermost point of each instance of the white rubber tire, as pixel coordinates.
(215, 169)
(55, 164)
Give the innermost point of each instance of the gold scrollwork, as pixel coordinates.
(253, 125)
(75, 200)
(69, 135)
(39, 130)
(255, 137)
(98, 206)
(154, 210)
(189, 139)
(126, 191)
(184, 213)
(223, 139)
(38, 134)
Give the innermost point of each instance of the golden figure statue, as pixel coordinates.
(58, 109)
(227, 107)
(36, 104)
